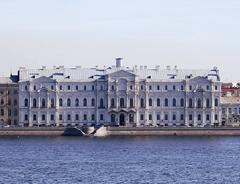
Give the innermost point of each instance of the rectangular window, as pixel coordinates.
(158, 117)
(76, 117)
(174, 117)
(142, 117)
(60, 87)
(69, 117)
(52, 117)
(190, 117)
(207, 117)
(150, 117)
(26, 117)
(216, 117)
(93, 117)
(60, 117)
(69, 87)
(182, 117)
(158, 87)
(34, 117)
(85, 117)
(166, 117)
(101, 117)
(77, 87)
(43, 117)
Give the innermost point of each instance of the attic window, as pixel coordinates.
(149, 77)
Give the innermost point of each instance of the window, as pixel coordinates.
(166, 102)
(166, 117)
(141, 117)
(208, 103)
(34, 117)
(158, 117)
(34, 103)
(216, 87)
(26, 88)
(2, 101)
(190, 117)
(182, 102)
(150, 87)
(174, 87)
(101, 103)
(52, 117)
(76, 87)
(174, 102)
(182, 88)
(166, 87)
(207, 117)
(69, 102)
(2, 112)
(121, 102)
(207, 87)
(112, 103)
(216, 102)
(60, 87)
(142, 103)
(199, 117)
(190, 103)
(43, 117)
(60, 102)
(174, 117)
(216, 117)
(69, 117)
(34, 88)
(131, 118)
(101, 88)
(60, 117)
(92, 87)
(15, 102)
(142, 87)
(84, 102)
(150, 117)
(131, 103)
(182, 117)
(101, 117)
(190, 88)
(158, 102)
(15, 112)
(93, 117)
(131, 87)
(199, 103)
(43, 103)
(150, 102)
(158, 87)
(77, 102)
(85, 87)
(93, 102)
(69, 87)
(52, 103)
(76, 117)
(26, 102)
(26, 117)
(112, 87)
(52, 87)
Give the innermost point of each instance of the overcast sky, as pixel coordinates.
(189, 34)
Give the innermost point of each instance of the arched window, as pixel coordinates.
(93, 102)
(199, 103)
(52, 103)
(142, 103)
(112, 118)
(84, 102)
(150, 102)
(182, 102)
(131, 102)
(121, 102)
(174, 102)
(77, 102)
(69, 102)
(158, 102)
(26, 102)
(34, 103)
(190, 103)
(208, 103)
(43, 103)
(112, 103)
(216, 102)
(166, 102)
(60, 102)
(101, 103)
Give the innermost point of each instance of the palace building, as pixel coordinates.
(119, 96)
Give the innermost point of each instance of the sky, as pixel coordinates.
(189, 34)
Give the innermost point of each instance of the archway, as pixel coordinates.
(122, 120)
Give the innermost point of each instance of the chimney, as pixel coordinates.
(119, 62)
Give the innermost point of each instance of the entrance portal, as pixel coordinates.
(122, 120)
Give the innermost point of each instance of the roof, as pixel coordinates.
(86, 74)
(230, 100)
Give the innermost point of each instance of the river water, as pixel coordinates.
(120, 160)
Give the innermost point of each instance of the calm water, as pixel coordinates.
(120, 160)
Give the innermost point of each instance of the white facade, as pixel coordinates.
(119, 96)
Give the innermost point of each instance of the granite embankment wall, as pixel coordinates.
(173, 131)
(124, 131)
(36, 131)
